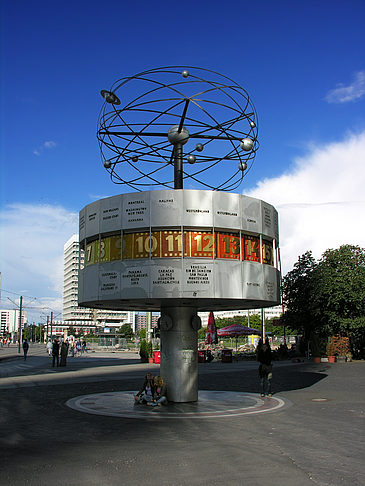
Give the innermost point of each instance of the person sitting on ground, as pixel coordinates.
(159, 397)
(147, 390)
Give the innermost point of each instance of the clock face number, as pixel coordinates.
(267, 253)
(141, 245)
(229, 246)
(148, 244)
(92, 253)
(202, 244)
(252, 248)
(172, 244)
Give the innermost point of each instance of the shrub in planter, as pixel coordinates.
(338, 346)
(145, 350)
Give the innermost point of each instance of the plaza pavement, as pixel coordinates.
(315, 438)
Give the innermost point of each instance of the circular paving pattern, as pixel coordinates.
(211, 404)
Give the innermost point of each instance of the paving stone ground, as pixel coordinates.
(315, 439)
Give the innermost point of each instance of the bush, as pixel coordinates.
(338, 346)
(145, 350)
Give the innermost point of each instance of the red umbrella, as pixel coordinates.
(236, 330)
(211, 337)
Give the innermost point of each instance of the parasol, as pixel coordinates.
(211, 336)
(235, 330)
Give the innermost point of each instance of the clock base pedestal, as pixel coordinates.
(179, 352)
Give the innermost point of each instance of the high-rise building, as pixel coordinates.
(141, 321)
(73, 259)
(9, 322)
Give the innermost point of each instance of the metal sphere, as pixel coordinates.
(242, 166)
(175, 137)
(140, 141)
(110, 97)
(246, 144)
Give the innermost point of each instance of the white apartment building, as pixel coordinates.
(73, 259)
(9, 322)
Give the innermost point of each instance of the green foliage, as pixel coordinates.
(125, 331)
(142, 333)
(298, 293)
(230, 321)
(327, 297)
(145, 350)
(255, 321)
(202, 333)
(339, 298)
(33, 332)
(317, 345)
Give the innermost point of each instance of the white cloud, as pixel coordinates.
(321, 201)
(47, 145)
(353, 92)
(32, 250)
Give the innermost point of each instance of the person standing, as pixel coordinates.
(55, 352)
(78, 347)
(64, 352)
(25, 348)
(264, 357)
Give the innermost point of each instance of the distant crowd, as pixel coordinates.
(60, 350)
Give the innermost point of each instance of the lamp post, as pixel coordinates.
(20, 323)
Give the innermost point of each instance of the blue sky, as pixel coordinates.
(302, 64)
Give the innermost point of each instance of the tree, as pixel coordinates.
(142, 333)
(126, 331)
(298, 285)
(327, 297)
(339, 293)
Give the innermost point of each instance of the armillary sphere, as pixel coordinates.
(168, 125)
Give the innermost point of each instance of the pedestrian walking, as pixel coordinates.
(78, 347)
(25, 348)
(264, 356)
(49, 348)
(55, 352)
